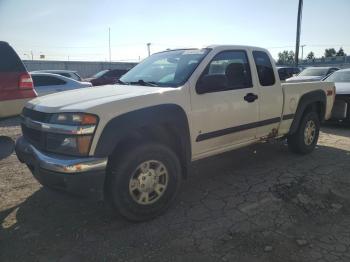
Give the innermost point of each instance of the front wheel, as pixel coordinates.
(144, 182)
(304, 140)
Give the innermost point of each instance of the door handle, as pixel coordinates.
(250, 97)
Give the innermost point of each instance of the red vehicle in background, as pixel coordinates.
(106, 77)
(16, 85)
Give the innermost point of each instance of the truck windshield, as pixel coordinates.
(168, 69)
(314, 72)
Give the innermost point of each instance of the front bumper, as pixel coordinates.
(79, 176)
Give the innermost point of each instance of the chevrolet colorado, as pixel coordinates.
(132, 143)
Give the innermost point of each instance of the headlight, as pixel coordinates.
(71, 133)
(74, 119)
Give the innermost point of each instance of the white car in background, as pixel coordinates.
(67, 73)
(46, 83)
(312, 74)
(341, 108)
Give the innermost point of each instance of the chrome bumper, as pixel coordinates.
(27, 153)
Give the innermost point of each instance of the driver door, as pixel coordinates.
(224, 116)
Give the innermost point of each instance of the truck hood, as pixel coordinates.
(342, 88)
(304, 78)
(85, 98)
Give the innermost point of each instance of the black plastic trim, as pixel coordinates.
(235, 129)
(288, 117)
(120, 127)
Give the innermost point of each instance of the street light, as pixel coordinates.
(109, 45)
(149, 48)
(30, 56)
(302, 51)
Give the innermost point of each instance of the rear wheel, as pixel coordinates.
(144, 182)
(304, 140)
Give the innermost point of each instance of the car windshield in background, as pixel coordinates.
(340, 76)
(314, 72)
(101, 73)
(168, 69)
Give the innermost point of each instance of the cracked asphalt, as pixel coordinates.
(260, 203)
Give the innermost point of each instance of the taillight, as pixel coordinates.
(25, 81)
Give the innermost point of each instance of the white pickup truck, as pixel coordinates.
(132, 143)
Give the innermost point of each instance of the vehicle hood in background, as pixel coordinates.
(304, 78)
(342, 88)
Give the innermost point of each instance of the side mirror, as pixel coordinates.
(211, 83)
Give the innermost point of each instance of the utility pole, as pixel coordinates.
(109, 44)
(31, 53)
(149, 48)
(302, 51)
(297, 42)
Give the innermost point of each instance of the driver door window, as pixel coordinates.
(230, 69)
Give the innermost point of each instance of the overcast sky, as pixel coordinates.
(79, 29)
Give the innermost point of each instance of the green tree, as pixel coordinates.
(341, 52)
(311, 56)
(329, 52)
(286, 58)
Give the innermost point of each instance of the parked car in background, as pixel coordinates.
(134, 142)
(311, 74)
(106, 77)
(46, 83)
(341, 108)
(285, 72)
(16, 85)
(67, 73)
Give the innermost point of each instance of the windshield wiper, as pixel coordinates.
(121, 82)
(143, 83)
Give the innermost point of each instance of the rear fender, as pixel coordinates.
(317, 96)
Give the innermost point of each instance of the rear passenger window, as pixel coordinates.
(264, 68)
(9, 60)
(64, 74)
(46, 81)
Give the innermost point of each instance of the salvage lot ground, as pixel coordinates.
(260, 203)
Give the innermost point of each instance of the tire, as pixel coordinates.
(301, 142)
(125, 182)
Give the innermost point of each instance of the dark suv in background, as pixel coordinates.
(285, 72)
(106, 77)
(16, 85)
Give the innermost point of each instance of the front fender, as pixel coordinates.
(121, 126)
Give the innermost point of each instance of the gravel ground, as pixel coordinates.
(260, 203)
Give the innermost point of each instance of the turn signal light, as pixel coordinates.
(89, 119)
(329, 92)
(83, 144)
